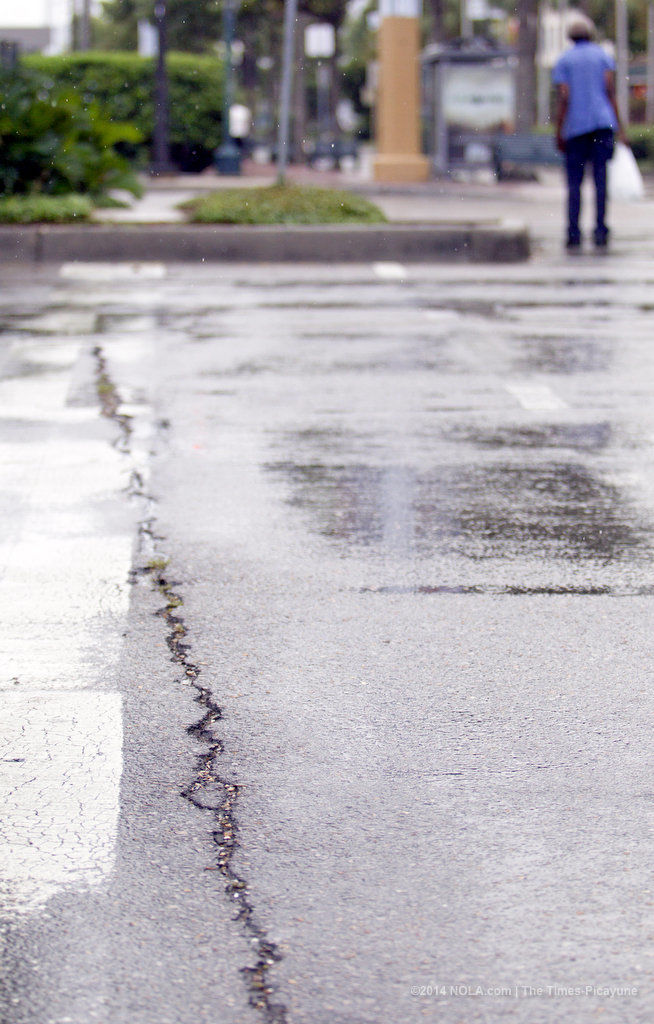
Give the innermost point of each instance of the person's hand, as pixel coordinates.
(560, 142)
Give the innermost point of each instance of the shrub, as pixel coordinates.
(641, 140)
(282, 204)
(40, 209)
(53, 142)
(123, 83)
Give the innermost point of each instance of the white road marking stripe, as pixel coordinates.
(55, 593)
(112, 271)
(536, 397)
(60, 417)
(59, 322)
(623, 481)
(443, 316)
(390, 271)
(66, 539)
(61, 757)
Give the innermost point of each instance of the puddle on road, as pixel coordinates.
(315, 306)
(373, 353)
(247, 369)
(488, 309)
(562, 355)
(127, 322)
(587, 282)
(395, 364)
(556, 511)
(20, 369)
(497, 590)
(356, 363)
(584, 437)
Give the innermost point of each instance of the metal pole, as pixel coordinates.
(229, 21)
(74, 25)
(622, 59)
(290, 17)
(543, 76)
(526, 69)
(442, 138)
(227, 157)
(85, 27)
(8, 55)
(466, 22)
(161, 154)
(322, 82)
(650, 62)
(70, 25)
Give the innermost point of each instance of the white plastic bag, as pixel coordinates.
(625, 180)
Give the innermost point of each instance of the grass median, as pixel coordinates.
(39, 209)
(282, 204)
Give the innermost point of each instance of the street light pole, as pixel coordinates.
(160, 146)
(85, 27)
(290, 17)
(622, 58)
(466, 22)
(650, 62)
(227, 157)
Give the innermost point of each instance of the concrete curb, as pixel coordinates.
(277, 244)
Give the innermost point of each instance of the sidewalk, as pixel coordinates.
(444, 220)
(428, 203)
(537, 205)
(443, 201)
(153, 228)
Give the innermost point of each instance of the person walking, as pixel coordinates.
(587, 118)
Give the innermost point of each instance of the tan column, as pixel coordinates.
(399, 157)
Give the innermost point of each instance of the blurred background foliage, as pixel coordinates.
(84, 121)
(122, 85)
(54, 140)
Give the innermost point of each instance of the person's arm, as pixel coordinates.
(609, 81)
(562, 101)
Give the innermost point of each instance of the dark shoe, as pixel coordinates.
(601, 237)
(573, 243)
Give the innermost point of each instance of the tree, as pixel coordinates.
(194, 26)
(116, 28)
(526, 76)
(443, 19)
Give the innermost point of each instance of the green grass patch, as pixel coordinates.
(110, 203)
(282, 204)
(39, 209)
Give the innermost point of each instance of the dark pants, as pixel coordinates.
(595, 148)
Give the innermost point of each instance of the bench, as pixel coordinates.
(518, 150)
(331, 151)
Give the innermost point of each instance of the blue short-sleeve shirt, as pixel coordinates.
(582, 68)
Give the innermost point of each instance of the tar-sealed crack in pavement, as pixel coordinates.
(109, 399)
(207, 791)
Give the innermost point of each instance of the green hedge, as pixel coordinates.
(54, 142)
(40, 209)
(641, 140)
(123, 84)
(639, 136)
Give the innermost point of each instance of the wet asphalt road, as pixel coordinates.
(334, 632)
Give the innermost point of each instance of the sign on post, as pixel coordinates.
(320, 41)
(477, 97)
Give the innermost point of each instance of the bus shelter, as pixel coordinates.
(469, 96)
